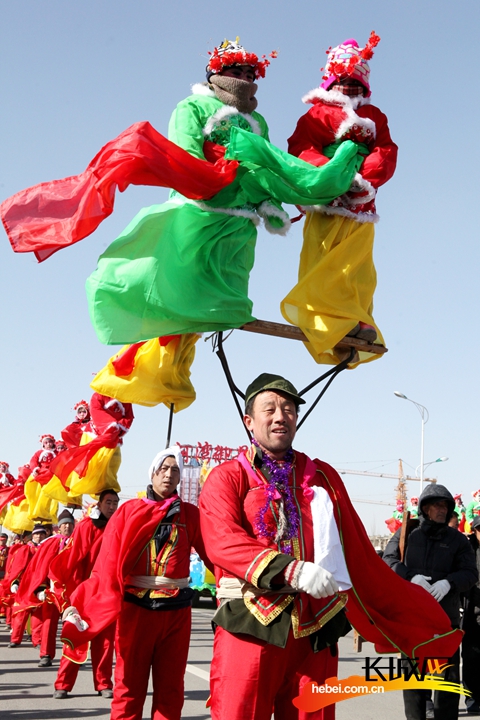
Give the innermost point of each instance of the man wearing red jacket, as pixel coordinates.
(3, 565)
(72, 566)
(5, 594)
(288, 585)
(141, 576)
(32, 592)
(17, 571)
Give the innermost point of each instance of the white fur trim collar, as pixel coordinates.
(202, 89)
(333, 97)
(348, 105)
(328, 210)
(226, 111)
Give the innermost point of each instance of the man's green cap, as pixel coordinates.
(266, 381)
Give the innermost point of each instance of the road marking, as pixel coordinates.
(199, 673)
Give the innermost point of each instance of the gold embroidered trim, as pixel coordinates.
(296, 548)
(338, 605)
(264, 562)
(167, 549)
(140, 593)
(267, 619)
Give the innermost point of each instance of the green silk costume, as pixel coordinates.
(183, 266)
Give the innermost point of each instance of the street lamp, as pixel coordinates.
(442, 459)
(424, 415)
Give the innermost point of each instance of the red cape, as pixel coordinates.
(36, 573)
(99, 599)
(385, 609)
(47, 217)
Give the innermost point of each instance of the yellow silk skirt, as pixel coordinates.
(336, 283)
(54, 489)
(39, 505)
(161, 374)
(101, 474)
(17, 519)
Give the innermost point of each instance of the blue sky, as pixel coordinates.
(74, 75)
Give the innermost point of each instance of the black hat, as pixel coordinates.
(39, 529)
(476, 522)
(266, 381)
(65, 517)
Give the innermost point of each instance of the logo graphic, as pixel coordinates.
(394, 674)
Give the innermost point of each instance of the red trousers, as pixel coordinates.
(19, 623)
(48, 645)
(250, 679)
(101, 651)
(155, 640)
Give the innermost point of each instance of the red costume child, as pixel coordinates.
(337, 277)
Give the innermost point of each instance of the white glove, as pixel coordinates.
(440, 589)
(316, 581)
(72, 615)
(14, 588)
(422, 580)
(41, 595)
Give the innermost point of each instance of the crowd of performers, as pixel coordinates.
(462, 518)
(84, 461)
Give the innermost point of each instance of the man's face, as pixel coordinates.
(38, 537)
(3, 468)
(3, 541)
(65, 528)
(48, 443)
(436, 511)
(165, 480)
(273, 422)
(241, 72)
(108, 505)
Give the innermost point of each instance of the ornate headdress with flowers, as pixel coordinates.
(230, 52)
(348, 60)
(82, 403)
(43, 437)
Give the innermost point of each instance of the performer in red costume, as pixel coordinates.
(3, 564)
(72, 434)
(141, 576)
(5, 595)
(3, 554)
(6, 478)
(72, 566)
(272, 521)
(42, 458)
(20, 615)
(336, 278)
(31, 595)
(93, 467)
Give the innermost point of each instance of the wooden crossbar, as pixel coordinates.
(291, 332)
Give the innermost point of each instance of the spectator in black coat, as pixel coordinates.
(441, 560)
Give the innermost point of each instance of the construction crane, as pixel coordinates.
(401, 488)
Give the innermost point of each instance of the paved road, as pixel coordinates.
(26, 690)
